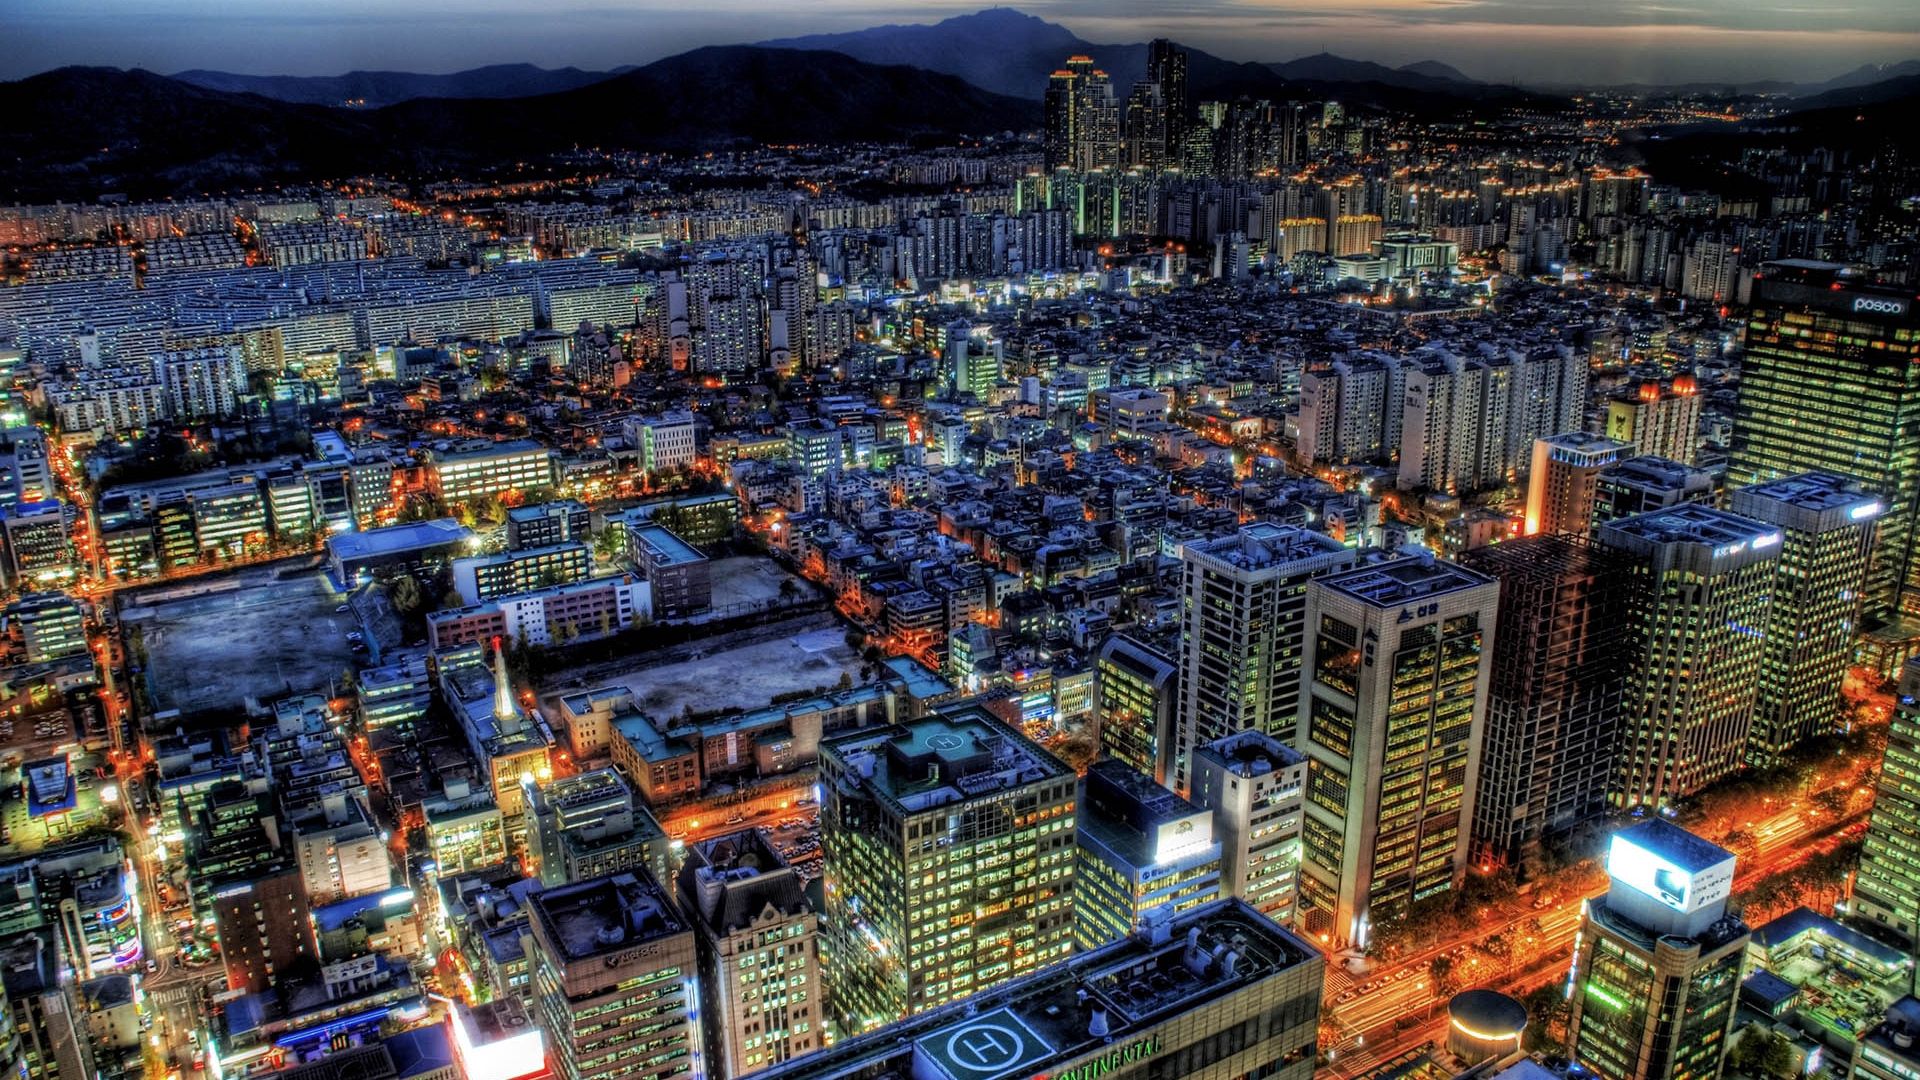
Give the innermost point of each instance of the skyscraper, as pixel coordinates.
(1254, 785)
(612, 965)
(1144, 853)
(1696, 664)
(1560, 660)
(1391, 724)
(1136, 696)
(1658, 961)
(759, 954)
(1563, 479)
(1167, 70)
(949, 853)
(1887, 891)
(1831, 381)
(1827, 526)
(1242, 633)
(1082, 118)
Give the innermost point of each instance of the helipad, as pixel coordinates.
(985, 1047)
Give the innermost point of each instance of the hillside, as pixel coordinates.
(373, 89)
(98, 130)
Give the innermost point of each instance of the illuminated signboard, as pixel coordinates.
(1880, 305)
(1116, 1058)
(1655, 875)
(1861, 513)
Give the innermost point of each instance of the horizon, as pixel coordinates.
(1495, 41)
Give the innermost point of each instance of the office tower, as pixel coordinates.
(1397, 657)
(948, 846)
(1830, 380)
(1242, 633)
(1167, 70)
(1563, 479)
(588, 826)
(1254, 784)
(1658, 961)
(760, 990)
(1144, 129)
(1659, 417)
(1136, 696)
(1560, 659)
(1697, 657)
(1082, 119)
(1144, 854)
(1642, 485)
(1827, 524)
(612, 968)
(1886, 892)
(1219, 993)
(25, 476)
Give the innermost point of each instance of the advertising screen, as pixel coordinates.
(1653, 874)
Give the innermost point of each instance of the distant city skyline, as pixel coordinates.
(1531, 41)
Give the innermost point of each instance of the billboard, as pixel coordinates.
(1655, 875)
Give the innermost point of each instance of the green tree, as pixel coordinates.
(405, 595)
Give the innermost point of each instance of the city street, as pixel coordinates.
(1371, 1012)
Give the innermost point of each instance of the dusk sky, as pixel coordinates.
(1526, 40)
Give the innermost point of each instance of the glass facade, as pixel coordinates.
(1887, 890)
(1831, 381)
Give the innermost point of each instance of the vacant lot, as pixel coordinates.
(215, 644)
(808, 654)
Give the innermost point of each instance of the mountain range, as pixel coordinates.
(80, 130)
(101, 129)
(1001, 50)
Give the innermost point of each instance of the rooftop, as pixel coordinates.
(662, 540)
(1132, 985)
(398, 538)
(1251, 753)
(1678, 846)
(1404, 580)
(604, 915)
(1265, 545)
(1694, 523)
(944, 758)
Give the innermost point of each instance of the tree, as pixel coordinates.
(1547, 1014)
(405, 595)
(1440, 970)
(1762, 1052)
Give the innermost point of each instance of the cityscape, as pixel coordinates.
(849, 542)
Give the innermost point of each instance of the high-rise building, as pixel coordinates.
(1242, 633)
(1167, 70)
(1660, 418)
(1136, 698)
(1560, 659)
(1697, 656)
(1886, 892)
(1827, 524)
(612, 967)
(1641, 485)
(760, 988)
(1218, 993)
(588, 826)
(948, 846)
(1563, 479)
(1391, 725)
(1082, 118)
(1830, 380)
(1658, 961)
(1254, 784)
(1144, 853)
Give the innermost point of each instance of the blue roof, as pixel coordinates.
(1802, 920)
(1769, 988)
(421, 1050)
(395, 538)
(328, 917)
(662, 539)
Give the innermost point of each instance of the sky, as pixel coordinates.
(1532, 41)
